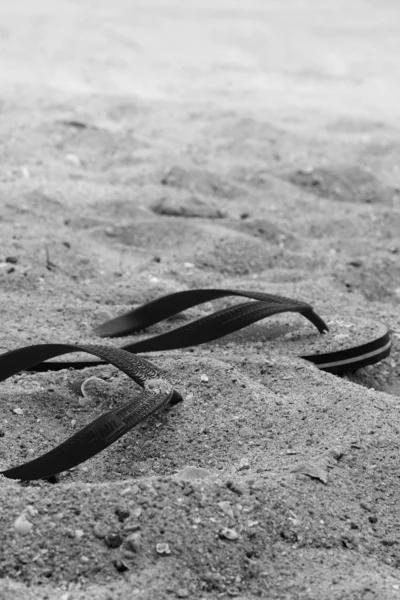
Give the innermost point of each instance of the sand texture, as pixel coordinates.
(149, 147)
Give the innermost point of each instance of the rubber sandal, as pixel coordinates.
(106, 429)
(335, 353)
(348, 344)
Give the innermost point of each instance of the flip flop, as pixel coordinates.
(345, 348)
(347, 344)
(106, 429)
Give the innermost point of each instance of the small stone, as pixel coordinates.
(31, 510)
(312, 470)
(84, 401)
(122, 514)
(120, 566)
(132, 526)
(113, 539)
(40, 562)
(182, 593)
(226, 508)
(235, 488)
(73, 159)
(247, 432)
(22, 525)
(100, 530)
(18, 411)
(189, 473)
(373, 519)
(12, 260)
(79, 533)
(133, 542)
(228, 534)
(163, 548)
(137, 512)
(204, 378)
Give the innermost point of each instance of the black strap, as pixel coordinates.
(157, 391)
(162, 308)
(200, 331)
(106, 429)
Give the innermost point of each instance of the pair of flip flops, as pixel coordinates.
(346, 345)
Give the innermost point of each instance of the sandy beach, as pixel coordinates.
(151, 147)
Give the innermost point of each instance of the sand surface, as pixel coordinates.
(149, 147)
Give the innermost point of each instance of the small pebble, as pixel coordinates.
(373, 519)
(113, 539)
(11, 259)
(163, 548)
(18, 411)
(133, 542)
(100, 530)
(204, 378)
(73, 159)
(84, 401)
(225, 506)
(79, 533)
(234, 487)
(244, 464)
(120, 566)
(122, 514)
(22, 525)
(32, 511)
(228, 534)
(247, 432)
(189, 473)
(132, 526)
(182, 593)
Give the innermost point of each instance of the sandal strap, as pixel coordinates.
(106, 429)
(157, 391)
